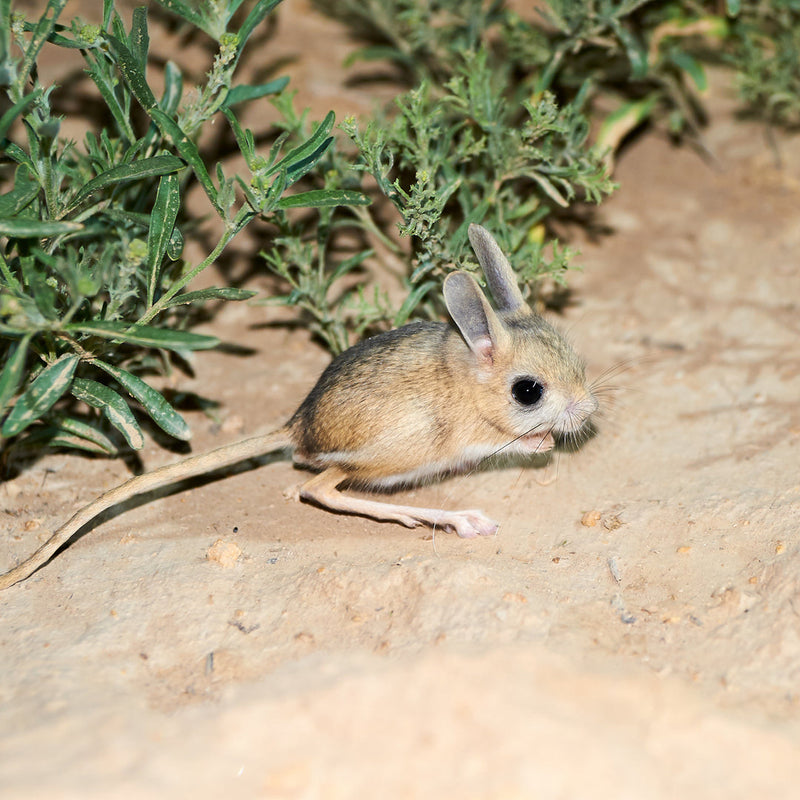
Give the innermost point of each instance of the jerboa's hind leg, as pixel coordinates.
(323, 490)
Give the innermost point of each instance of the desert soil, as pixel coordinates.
(633, 630)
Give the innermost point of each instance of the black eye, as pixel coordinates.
(527, 392)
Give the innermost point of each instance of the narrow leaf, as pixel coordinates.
(25, 189)
(153, 402)
(320, 198)
(310, 146)
(21, 228)
(5, 29)
(132, 73)
(165, 212)
(618, 124)
(300, 168)
(241, 94)
(186, 11)
(243, 138)
(349, 264)
(259, 11)
(16, 110)
(44, 27)
(692, 67)
(377, 53)
(175, 245)
(41, 395)
(61, 41)
(188, 151)
(97, 69)
(274, 193)
(412, 301)
(233, 7)
(637, 54)
(550, 190)
(139, 39)
(66, 432)
(114, 409)
(173, 88)
(146, 335)
(201, 295)
(108, 8)
(11, 376)
(89, 437)
(144, 168)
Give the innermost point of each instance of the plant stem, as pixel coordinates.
(243, 216)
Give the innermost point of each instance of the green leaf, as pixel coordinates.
(201, 295)
(21, 228)
(186, 11)
(256, 15)
(41, 395)
(618, 124)
(16, 153)
(549, 189)
(165, 212)
(98, 69)
(320, 198)
(314, 145)
(637, 54)
(378, 53)
(144, 168)
(249, 195)
(173, 88)
(41, 32)
(153, 402)
(71, 433)
(348, 264)
(25, 189)
(5, 29)
(9, 280)
(175, 245)
(188, 151)
(18, 108)
(139, 39)
(108, 9)
(88, 437)
(63, 41)
(241, 94)
(114, 409)
(134, 76)
(733, 7)
(412, 301)
(300, 168)
(11, 376)
(233, 7)
(273, 194)
(692, 67)
(244, 139)
(146, 335)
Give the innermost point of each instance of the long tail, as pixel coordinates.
(190, 467)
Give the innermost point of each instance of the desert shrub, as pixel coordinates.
(766, 56)
(493, 127)
(93, 286)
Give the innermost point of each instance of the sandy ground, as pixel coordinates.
(633, 631)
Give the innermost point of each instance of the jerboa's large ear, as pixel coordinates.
(499, 275)
(476, 319)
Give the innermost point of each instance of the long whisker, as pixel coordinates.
(508, 444)
(620, 368)
(517, 438)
